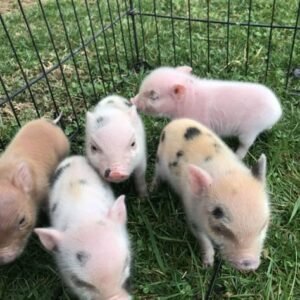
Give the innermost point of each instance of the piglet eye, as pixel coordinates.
(132, 144)
(22, 221)
(93, 148)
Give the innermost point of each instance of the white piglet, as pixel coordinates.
(88, 235)
(229, 108)
(115, 141)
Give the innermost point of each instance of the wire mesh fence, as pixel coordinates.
(63, 56)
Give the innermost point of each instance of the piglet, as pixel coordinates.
(88, 235)
(229, 108)
(115, 141)
(225, 202)
(25, 169)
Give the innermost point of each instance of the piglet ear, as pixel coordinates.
(49, 237)
(199, 180)
(22, 177)
(118, 211)
(185, 69)
(134, 99)
(178, 90)
(259, 168)
(90, 120)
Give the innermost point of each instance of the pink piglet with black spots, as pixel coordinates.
(88, 234)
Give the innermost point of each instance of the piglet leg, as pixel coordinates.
(140, 181)
(245, 143)
(207, 248)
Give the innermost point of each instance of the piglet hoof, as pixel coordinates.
(208, 260)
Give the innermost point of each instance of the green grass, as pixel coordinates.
(167, 262)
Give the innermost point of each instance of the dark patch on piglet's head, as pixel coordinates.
(59, 171)
(82, 257)
(218, 212)
(191, 133)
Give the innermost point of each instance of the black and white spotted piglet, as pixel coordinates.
(88, 235)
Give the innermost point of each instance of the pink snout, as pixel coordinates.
(115, 176)
(246, 263)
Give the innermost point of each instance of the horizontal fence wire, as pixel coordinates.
(199, 20)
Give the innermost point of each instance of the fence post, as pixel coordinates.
(132, 14)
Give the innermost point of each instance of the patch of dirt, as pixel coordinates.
(12, 5)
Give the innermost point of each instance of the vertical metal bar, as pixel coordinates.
(208, 37)
(95, 44)
(38, 56)
(20, 66)
(106, 47)
(270, 41)
(227, 34)
(143, 31)
(137, 53)
(173, 32)
(216, 272)
(157, 33)
(114, 38)
(70, 49)
(129, 29)
(10, 101)
(122, 33)
(84, 49)
(292, 48)
(248, 37)
(59, 62)
(190, 33)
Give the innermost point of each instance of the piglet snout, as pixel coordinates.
(116, 176)
(246, 263)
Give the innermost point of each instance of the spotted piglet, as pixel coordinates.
(25, 170)
(115, 141)
(229, 108)
(225, 202)
(88, 235)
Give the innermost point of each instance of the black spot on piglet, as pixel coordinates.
(54, 207)
(218, 212)
(127, 285)
(58, 173)
(163, 135)
(82, 257)
(179, 153)
(191, 133)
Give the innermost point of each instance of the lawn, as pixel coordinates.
(167, 263)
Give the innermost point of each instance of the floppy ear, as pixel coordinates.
(178, 91)
(90, 120)
(134, 99)
(198, 179)
(185, 69)
(49, 237)
(259, 168)
(118, 212)
(22, 177)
